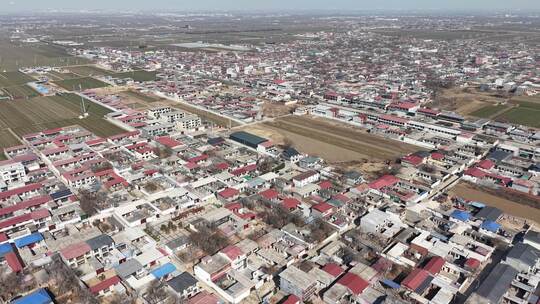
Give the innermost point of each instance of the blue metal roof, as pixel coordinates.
(5, 248)
(391, 284)
(461, 215)
(40, 296)
(29, 239)
(490, 226)
(61, 194)
(163, 270)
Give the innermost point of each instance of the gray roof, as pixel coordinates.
(100, 241)
(497, 283)
(533, 236)
(490, 213)
(128, 268)
(178, 242)
(182, 282)
(525, 253)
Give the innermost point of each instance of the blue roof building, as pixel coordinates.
(40, 296)
(164, 270)
(5, 248)
(490, 226)
(29, 240)
(461, 215)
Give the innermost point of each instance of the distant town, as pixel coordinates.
(233, 158)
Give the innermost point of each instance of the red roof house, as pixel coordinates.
(333, 269)
(415, 279)
(353, 282)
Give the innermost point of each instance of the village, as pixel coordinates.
(309, 171)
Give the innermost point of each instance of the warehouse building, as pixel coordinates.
(247, 139)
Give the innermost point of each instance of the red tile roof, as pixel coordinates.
(333, 269)
(244, 170)
(168, 141)
(475, 172)
(20, 190)
(34, 215)
(13, 261)
(486, 164)
(232, 252)
(222, 166)
(435, 265)
(325, 184)
(228, 193)
(412, 159)
(269, 194)
(353, 282)
(384, 181)
(415, 278)
(290, 203)
(292, 299)
(104, 284)
(75, 250)
(322, 207)
(33, 202)
(204, 298)
(472, 263)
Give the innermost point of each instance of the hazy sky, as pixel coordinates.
(25, 5)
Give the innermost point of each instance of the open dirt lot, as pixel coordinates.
(337, 143)
(466, 101)
(465, 191)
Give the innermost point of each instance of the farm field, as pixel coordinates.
(334, 134)
(7, 139)
(489, 111)
(522, 115)
(526, 112)
(78, 84)
(466, 102)
(13, 84)
(139, 76)
(88, 70)
(41, 113)
(15, 56)
(8, 79)
(20, 92)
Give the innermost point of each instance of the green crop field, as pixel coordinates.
(13, 84)
(8, 79)
(21, 92)
(488, 111)
(84, 83)
(139, 76)
(7, 139)
(522, 115)
(88, 70)
(14, 56)
(42, 113)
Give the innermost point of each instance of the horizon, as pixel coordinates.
(22, 6)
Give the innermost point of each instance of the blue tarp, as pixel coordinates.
(461, 215)
(28, 240)
(163, 270)
(390, 283)
(39, 296)
(490, 226)
(5, 248)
